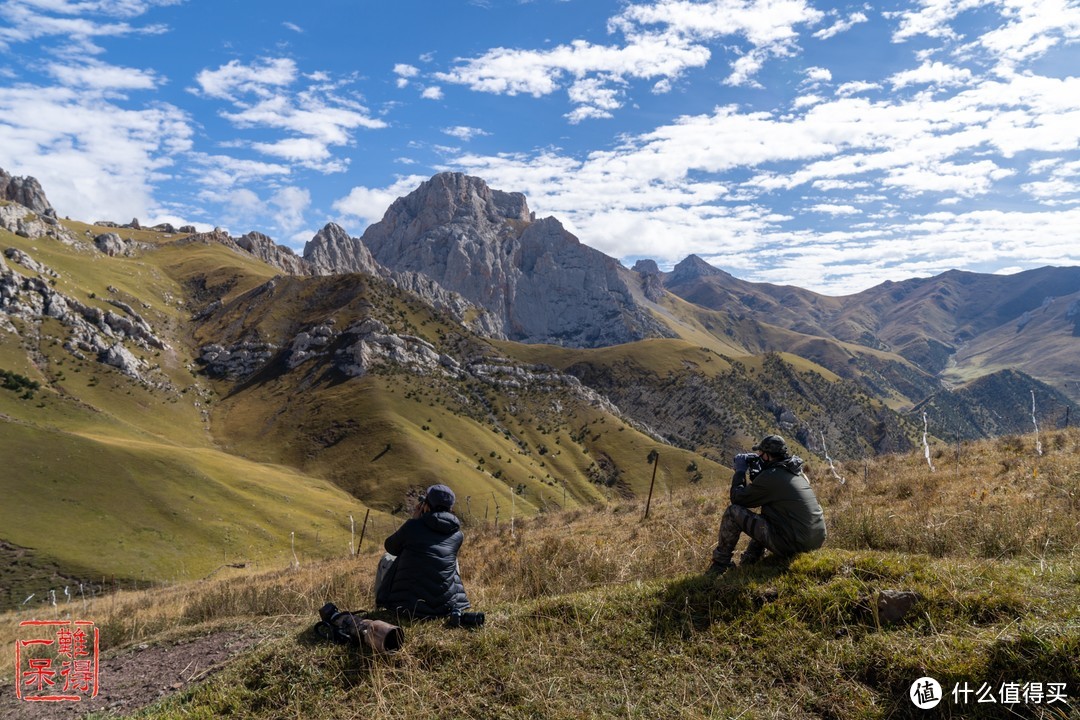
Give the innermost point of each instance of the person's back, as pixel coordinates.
(790, 521)
(424, 579)
(790, 506)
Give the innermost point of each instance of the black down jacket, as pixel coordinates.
(424, 581)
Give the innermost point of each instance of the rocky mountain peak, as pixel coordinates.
(449, 199)
(691, 268)
(487, 246)
(333, 250)
(25, 191)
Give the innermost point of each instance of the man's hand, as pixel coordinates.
(741, 461)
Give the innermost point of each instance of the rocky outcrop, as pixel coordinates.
(111, 244)
(371, 343)
(652, 282)
(25, 191)
(333, 251)
(538, 281)
(18, 256)
(278, 256)
(23, 222)
(236, 362)
(92, 331)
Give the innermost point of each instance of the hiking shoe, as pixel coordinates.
(747, 559)
(717, 569)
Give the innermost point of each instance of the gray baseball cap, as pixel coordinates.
(439, 497)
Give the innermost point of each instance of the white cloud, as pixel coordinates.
(404, 74)
(856, 87)
(760, 22)
(842, 25)
(461, 132)
(367, 205)
(817, 75)
(832, 209)
(806, 101)
(225, 172)
(292, 26)
(97, 75)
(234, 79)
(1027, 28)
(291, 203)
(96, 159)
(30, 21)
(317, 117)
(932, 73)
(432, 93)
(662, 41)
(239, 207)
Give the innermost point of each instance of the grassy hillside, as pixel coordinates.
(594, 612)
(177, 474)
(110, 480)
(516, 446)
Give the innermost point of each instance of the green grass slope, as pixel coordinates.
(108, 479)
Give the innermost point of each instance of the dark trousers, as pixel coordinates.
(738, 520)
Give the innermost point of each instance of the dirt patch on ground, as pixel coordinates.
(136, 677)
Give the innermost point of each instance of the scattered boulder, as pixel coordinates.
(893, 605)
(111, 244)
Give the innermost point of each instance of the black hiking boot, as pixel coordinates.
(718, 568)
(750, 558)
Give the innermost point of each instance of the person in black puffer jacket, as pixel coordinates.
(419, 575)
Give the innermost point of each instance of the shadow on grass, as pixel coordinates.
(695, 603)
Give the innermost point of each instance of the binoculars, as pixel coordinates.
(465, 619)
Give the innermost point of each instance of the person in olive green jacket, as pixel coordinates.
(790, 521)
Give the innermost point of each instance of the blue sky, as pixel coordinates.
(830, 146)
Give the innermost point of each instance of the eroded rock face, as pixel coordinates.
(537, 280)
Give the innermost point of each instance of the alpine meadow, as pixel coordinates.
(206, 438)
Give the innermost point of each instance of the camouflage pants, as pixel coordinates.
(738, 520)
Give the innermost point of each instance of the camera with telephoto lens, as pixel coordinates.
(351, 628)
(465, 619)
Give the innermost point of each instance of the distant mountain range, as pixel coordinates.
(459, 339)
